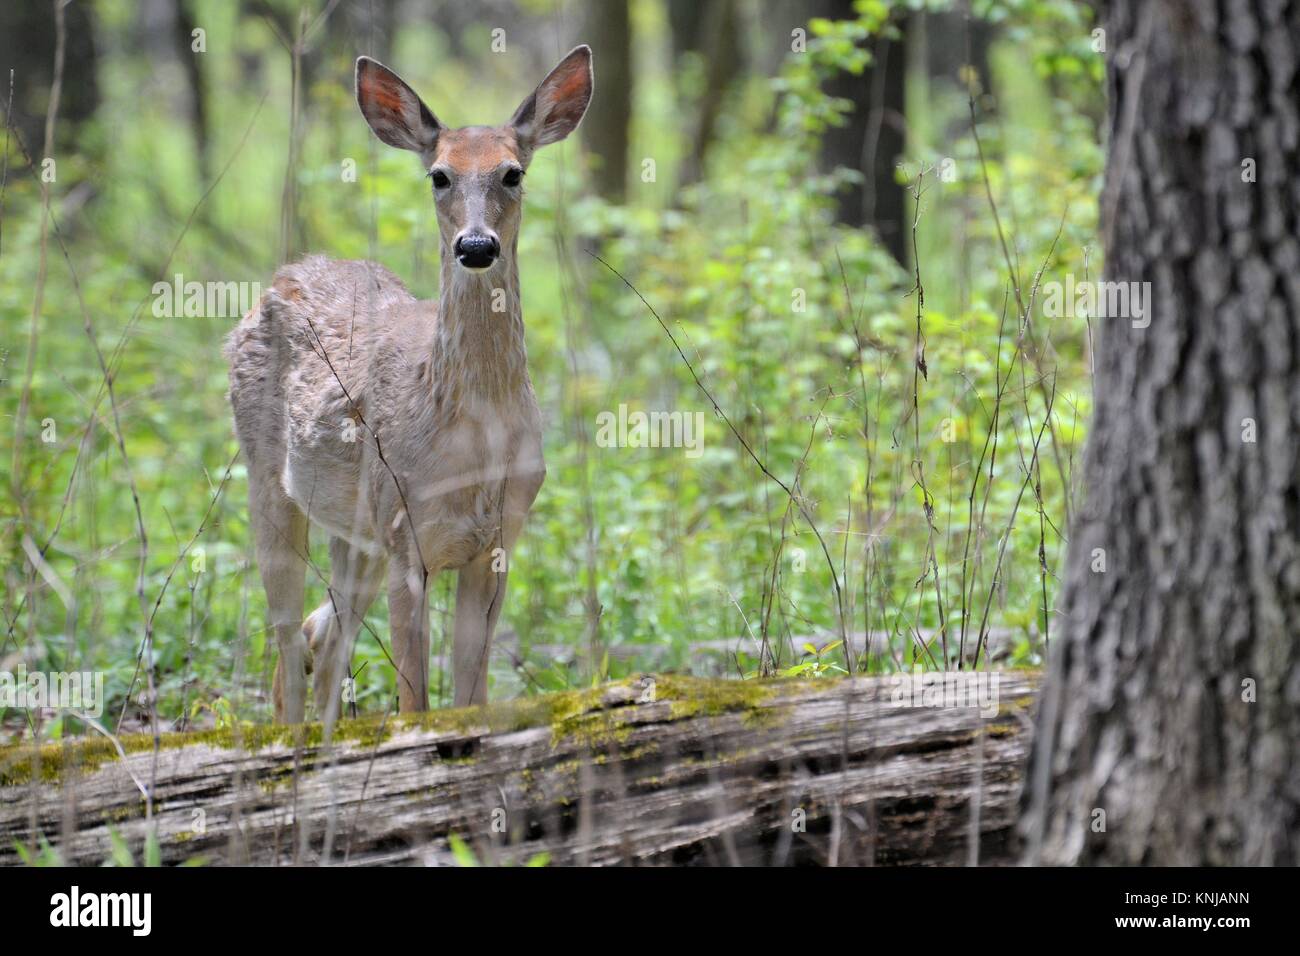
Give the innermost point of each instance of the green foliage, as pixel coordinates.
(46, 856)
(819, 666)
(803, 330)
(464, 855)
(119, 852)
(461, 852)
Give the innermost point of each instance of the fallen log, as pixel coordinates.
(911, 769)
(717, 657)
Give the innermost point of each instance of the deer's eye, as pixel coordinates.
(513, 177)
(440, 180)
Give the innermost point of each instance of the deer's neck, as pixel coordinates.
(479, 352)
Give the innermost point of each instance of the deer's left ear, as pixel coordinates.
(556, 107)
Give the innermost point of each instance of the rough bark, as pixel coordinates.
(1173, 700)
(647, 771)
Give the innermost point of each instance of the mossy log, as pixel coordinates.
(650, 770)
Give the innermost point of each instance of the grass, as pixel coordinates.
(910, 503)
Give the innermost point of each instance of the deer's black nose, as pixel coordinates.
(477, 251)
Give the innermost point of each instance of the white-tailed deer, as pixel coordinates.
(408, 430)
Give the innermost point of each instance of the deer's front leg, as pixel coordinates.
(408, 617)
(480, 591)
(481, 585)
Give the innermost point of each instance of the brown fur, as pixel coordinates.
(407, 430)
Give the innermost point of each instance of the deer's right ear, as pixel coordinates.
(392, 109)
(557, 106)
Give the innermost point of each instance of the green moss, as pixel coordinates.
(275, 778)
(571, 715)
(698, 696)
(90, 753)
(1003, 729)
(129, 811)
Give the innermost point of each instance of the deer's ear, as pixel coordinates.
(555, 108)
(392, 109)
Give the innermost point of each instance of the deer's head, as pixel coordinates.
(477, 172)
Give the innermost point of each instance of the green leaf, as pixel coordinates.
(152, 850)
(460, 850)
(120, 854)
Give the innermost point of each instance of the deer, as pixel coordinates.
(406, 430)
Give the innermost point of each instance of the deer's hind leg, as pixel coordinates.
(280, 530)
(408, 618)
(331, 630)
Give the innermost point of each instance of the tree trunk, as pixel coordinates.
(724, 62)
(685, 21)
(1168, 728)
(184, 25)
(646, 771)
(871, 139)
(605, 126)
(27, 42)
